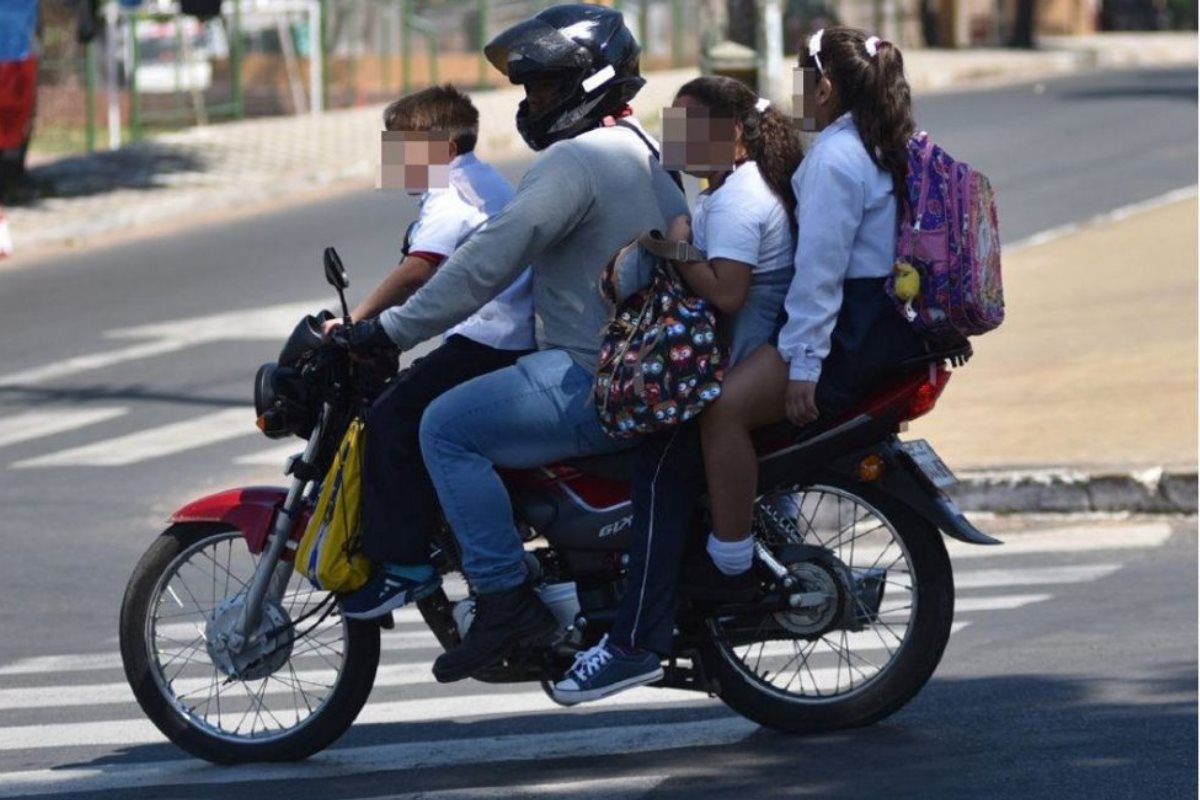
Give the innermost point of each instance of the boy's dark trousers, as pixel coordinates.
(668, 480)
(399, 502)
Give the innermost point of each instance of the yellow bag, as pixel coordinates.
(330, 552)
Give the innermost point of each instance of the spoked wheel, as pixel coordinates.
(289, 694)
(875, 599)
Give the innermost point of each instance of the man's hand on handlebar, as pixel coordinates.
(365, 338)
(328, 326)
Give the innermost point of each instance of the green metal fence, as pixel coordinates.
(163, 71)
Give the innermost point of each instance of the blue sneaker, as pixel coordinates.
(603, 671)
(389, 588)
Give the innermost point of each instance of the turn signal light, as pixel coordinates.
(870, 469)
(261, 422)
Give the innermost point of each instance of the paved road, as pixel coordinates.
(1054, 155)
(94, 453)
(1072, 674)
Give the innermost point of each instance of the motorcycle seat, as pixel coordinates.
(612, 466)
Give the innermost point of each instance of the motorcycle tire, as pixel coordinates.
(913, 667)
(316, 733)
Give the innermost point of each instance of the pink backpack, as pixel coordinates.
(947, 275)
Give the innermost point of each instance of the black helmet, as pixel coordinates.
(592, 54)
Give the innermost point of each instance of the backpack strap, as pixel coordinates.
(646, 140)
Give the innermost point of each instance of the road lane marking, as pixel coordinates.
(275, 457)
(860, 642)
(105, 694)
(70, 366)
(272, 323)
(35, 424)
(410, 673)
(1005, 602)
(623, 788)
(140, 731)
(1073, 539)
(355, 761)
(620, 788)
(166, 440)
(989, 578)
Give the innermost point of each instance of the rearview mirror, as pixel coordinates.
(335, 273)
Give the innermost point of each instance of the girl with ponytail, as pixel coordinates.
(842, 332)
(742, 263)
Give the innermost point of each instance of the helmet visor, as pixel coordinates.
(535, 48)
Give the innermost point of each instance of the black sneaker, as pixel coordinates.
(700, 579)
(503, 621)
(385, 592)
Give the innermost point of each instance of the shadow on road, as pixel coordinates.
(1022, 736)
(36, 395)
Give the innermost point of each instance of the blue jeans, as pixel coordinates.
(535, 412)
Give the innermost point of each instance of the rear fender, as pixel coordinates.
(251, 510)
(903, 480)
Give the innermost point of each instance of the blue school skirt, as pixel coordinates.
(869, 340)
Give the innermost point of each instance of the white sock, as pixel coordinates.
(732, 558)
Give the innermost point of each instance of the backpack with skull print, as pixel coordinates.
(660, 361)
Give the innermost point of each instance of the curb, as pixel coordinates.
(1152, 491)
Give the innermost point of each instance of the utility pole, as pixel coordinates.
(770, 50)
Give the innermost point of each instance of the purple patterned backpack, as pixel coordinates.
(947, 275)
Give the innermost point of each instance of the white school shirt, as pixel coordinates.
(845, 228)
(744, 221)
(447, 217)
(581, 200)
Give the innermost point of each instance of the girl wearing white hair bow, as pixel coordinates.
(842, 332)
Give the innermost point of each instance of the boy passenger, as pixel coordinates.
(428, 147)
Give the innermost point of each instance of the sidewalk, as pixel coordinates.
(1091, 379)
(238, 167)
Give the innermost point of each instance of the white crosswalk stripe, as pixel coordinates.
(82, 701)
(36, 424)
(359, 760)
(144, 445)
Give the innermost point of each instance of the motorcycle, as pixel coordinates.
(237, 658)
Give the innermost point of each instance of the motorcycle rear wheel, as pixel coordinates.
(189, 722)
(800, 705)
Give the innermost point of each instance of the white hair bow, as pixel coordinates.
(872, 45)
(762, 105)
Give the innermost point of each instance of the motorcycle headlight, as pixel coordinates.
(264, 392)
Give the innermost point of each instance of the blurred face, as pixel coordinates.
(416, 161)
(697, 142)
(812, 99)
(540, 93)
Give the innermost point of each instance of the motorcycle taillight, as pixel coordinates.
(925, 397)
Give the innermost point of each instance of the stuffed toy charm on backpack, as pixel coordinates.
(946, 280)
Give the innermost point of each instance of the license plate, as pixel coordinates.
(929, 463)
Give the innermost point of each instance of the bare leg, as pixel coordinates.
(752, 396)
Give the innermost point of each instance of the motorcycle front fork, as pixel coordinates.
(272, 574)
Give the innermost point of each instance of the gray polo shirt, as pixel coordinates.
(580, 202)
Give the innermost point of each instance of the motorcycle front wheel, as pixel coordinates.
(290, 694)
(864, 650)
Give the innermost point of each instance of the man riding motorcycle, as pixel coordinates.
(595, 186)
